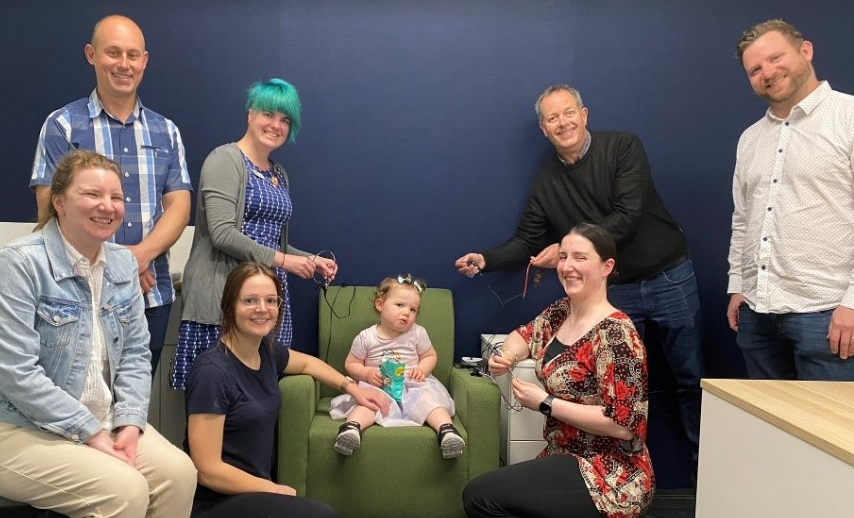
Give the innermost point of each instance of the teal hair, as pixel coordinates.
(276, 95)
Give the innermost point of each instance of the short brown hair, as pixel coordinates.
(67, 169)
(750, 35)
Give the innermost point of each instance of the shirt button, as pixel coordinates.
(774, 180)
(787, 123)
(56, 318)
(779, 150)
(764, 239)
(131, 224)
(127, 174)
(125, 150)
(769, 209)
(127, 199)
(75, 437)
(763, 266)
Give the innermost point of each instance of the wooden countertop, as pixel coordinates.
(818, 412)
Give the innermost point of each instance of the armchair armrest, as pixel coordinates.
(478, 407)
(299, 404)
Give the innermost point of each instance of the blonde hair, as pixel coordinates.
(401, 281)
(67, 169)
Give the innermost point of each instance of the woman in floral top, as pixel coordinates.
(592, 364)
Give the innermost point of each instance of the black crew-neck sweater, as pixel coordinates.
(610, 186)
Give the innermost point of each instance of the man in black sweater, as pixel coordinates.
(604, 178)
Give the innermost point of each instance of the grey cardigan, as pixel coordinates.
(218, 244)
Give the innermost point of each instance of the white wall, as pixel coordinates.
(177, 254)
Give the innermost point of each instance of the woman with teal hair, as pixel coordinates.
(242, 213)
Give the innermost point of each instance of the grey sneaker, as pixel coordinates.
(450, 441)
(349, 438)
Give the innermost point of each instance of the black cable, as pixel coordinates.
(332, 312)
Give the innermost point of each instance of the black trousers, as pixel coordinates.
(262, 505)
(551, 487)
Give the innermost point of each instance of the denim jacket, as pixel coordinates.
(46, 337)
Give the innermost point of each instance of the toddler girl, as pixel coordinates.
(396, 355)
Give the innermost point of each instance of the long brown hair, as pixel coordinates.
(231, 293)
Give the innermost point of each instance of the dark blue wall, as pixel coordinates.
(419, 136)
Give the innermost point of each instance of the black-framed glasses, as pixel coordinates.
(253, 301)
(418, 284)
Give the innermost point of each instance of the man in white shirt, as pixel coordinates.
(791, 276)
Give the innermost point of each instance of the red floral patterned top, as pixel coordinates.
(605, 367)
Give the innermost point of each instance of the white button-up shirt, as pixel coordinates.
(97, 394)
(792, 245)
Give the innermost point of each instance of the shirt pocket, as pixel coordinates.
(120, 314)
(57, 322)
(158, 157)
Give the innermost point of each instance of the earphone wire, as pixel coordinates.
(322, 283)
(333, 313)
(508, 403)
(495, 348)
(503, 302)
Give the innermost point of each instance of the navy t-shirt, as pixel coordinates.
(221, 384)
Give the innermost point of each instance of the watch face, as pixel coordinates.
(546, 405)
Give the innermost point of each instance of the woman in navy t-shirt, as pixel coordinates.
(233, 400)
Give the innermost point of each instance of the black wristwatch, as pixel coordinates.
(546, 405)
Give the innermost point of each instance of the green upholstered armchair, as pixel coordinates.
(397, 471)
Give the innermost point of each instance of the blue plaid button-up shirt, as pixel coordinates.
(150, 153)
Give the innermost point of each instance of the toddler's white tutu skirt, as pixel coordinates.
(419, 399)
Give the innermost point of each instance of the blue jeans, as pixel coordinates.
(158, 322)
(670, 301)
(789, 346)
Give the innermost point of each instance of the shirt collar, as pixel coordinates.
(77, 259)
(585, 147)
(96, 107)
(808, 103)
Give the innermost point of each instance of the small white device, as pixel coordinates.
(470, 361)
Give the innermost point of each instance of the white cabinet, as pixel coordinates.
(521, 432)
(776, 448)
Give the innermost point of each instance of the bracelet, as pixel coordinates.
(342, 387)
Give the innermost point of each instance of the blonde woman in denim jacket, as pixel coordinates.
(75, 383)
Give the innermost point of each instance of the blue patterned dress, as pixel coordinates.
(268, 208)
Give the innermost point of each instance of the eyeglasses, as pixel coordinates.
(417, 283)
(253, 301)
